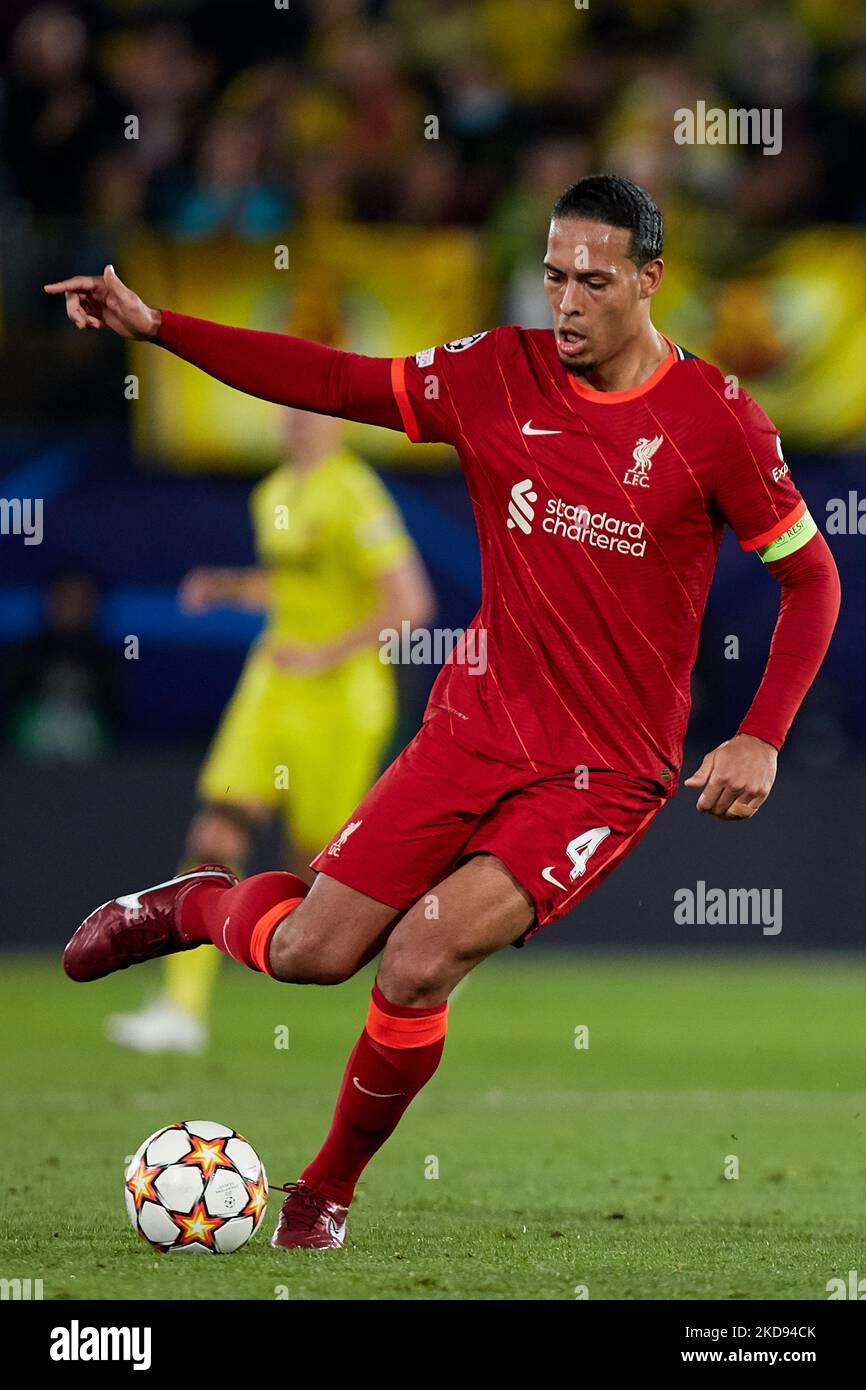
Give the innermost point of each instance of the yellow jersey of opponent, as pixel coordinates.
(325, 536)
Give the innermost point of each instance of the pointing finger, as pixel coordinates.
(78, 284)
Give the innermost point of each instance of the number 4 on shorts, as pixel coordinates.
(582, 846)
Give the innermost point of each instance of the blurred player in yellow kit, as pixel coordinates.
(306, 729)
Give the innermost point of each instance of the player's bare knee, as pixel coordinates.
(420, 988)
(416, 978)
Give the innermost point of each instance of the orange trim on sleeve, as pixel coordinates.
(777, 529)
(406, 1032)
(260, 943)
(401, 396)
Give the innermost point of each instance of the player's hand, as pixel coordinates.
(103, 301)
(737, 777)
(201, 589)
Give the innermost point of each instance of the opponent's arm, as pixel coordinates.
(405, 595)
(274, 366)
(209, 587)
(737, 777)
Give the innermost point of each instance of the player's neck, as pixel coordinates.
(632, 365)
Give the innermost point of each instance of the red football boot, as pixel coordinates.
(135, 927)
(309, 1220)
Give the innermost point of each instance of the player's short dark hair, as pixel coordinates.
(617, 202)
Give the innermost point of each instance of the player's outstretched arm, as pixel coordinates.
(736, 778)
(273, 366)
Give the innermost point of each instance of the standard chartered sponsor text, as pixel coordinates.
(575, 522)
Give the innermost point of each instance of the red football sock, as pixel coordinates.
(241, 920)
(397, 1053)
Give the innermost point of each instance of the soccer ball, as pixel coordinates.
(196, 1186)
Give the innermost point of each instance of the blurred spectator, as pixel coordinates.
(231, 192)
(58, 113)
(430, 192)
(162, 82)
(546, 168)
(64, 685)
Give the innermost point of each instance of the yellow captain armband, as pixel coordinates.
(790, 540)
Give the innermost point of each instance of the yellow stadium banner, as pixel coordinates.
(791, 329)
(377, 290)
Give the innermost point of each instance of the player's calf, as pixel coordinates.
(480, 908)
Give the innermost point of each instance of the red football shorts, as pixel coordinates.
(439, 803)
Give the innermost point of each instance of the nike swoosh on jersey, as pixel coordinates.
(380, 1095)
(527, 429)
(548, 874)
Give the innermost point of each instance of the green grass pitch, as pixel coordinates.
(558, 1167)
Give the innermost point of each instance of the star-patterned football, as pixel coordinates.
(196, 1186)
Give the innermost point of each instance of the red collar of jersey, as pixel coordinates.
(588, 393)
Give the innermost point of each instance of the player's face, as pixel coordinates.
(596, 293)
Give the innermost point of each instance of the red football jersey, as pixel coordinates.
(599, 517)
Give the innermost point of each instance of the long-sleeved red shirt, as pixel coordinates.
(599, 517)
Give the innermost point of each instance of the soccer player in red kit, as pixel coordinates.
(603, 462)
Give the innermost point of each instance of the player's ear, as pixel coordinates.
(651, 277)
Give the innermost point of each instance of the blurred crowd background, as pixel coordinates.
(255, 121)
(406, 153)
(255, 117)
